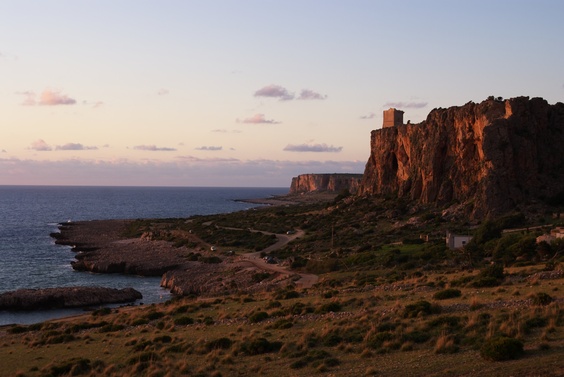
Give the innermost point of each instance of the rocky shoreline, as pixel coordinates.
(101, 247)
(66, 297)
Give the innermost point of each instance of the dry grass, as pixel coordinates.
(368, 335)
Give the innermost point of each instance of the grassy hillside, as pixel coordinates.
(387, 303)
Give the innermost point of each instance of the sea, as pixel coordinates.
(29, 257)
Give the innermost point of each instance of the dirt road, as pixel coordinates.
(305, 281)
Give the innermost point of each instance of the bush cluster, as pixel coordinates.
(447, 293)
(502, 348)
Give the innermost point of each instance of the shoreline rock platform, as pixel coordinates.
(65, 297)
(101, 247)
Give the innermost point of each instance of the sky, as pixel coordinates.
(248, 93)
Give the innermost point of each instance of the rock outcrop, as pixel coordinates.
(67, 297)
(104, 246)
(101, 248)
(325, 182)
(490, 156)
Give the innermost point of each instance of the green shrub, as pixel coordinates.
(416, 336)
(502, 348)
(140, 322)
(111, 328)
(332, 339)
(211, 260)
(258, 317)
(535, 322)
(447, 293)
(288, 295)
(260, 276)
(420, 308)
(299, 308)
(162, 339)
(259, 346)
(274, 304)
(491, 276)
(375, 341)
(330, 307)
(221, 343)
(449, 321)
(74, 367)
(541, 299)
(183, 321)
(17, 329)
(485, 282)
(154, 315)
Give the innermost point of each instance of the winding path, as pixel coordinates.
(305, 281)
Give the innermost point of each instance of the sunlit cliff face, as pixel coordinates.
(492, 155)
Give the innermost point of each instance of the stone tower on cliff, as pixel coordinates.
(392, 117)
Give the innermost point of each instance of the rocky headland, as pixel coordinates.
(67, 297)
(489, 157)
(102, 246)
(308, 183)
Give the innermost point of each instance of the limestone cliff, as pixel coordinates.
(325, 182)
(491, 156)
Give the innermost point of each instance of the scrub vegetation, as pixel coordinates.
(391, 300)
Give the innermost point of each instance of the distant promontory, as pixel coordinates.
(325, 182)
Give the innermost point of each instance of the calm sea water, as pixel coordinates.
(29, 257)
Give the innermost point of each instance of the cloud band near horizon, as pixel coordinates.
(312, 148)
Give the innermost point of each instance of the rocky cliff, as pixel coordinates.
(325, 182)
(491, 156)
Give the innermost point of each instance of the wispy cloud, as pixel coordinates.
(29, 98)
(41, 146)
(209, 148)
(75, 147)
(224, 131)
(153, 148)
(259, 119)
(53, 98)
(208, 160)
(406, 105)
(183, 171)
(369, 116)
(95, 105)
(307, 94)
(163, 92)
(312, 148)
(275, 91)
(47, 98)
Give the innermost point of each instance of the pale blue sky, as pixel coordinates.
(247, 93)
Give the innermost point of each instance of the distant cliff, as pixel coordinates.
(491, 156)
(325, 182)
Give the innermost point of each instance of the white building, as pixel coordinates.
(456, 241)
